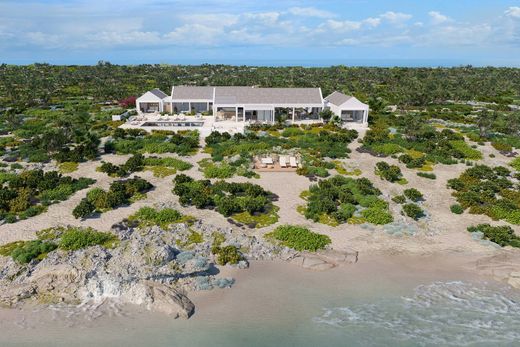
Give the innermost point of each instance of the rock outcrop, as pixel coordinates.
(504, 267)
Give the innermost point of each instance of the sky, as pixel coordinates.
(262, 32)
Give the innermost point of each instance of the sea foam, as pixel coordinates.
(441, 313)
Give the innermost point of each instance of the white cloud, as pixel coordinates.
(372, 22)
(437, 17)
(513, 11)
(341, 26)
(310, 12)
(395, 17)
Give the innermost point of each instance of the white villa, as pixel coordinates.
(232, 108)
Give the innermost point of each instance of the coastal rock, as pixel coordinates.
(324, 259)
(316, 263)
(503, 267)
(168, 300)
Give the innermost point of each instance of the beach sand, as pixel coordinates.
(271, 304)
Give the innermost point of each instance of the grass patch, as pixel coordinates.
(68, 167)
(299, 238)
(259, 220)
(148, 216)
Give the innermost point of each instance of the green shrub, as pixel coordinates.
(490, 191)
(413, 194)
(83, 209)
(427, 175)
(391, 173)
(515, 164)
(399, 199)
(413, 211)
(120, 193)
(78, 238)
(502, 147)
(502, 235)
(299, 238)
(30, 250)
(457, 209)
(227, 255)
(377, 216)
(68, 167)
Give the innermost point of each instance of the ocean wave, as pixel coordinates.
(441, 313)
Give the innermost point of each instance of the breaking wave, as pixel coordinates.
(442, 313)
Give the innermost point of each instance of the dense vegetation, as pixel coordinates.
(68, 239)
(120, 193)
(299, 238)
(418, 143)
(489, 191)
(230, 199)
(161, 167)
(42, 83)
(502, 235)
(342, 199)
(28, 193)
(314, 143)
(140, 141)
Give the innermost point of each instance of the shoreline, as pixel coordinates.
(269, 295)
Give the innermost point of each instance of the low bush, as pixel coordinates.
(391, 173)
(147, 216)
(227, 254)
(515, 164)
(413, 194)
(68, 167)
(502, 235)
(337, 199)
(413, 211)
(77, 238)
(502, 147)
(120, 193)
(299, 238)
(427, 175)
(457, 209)
(230, 199)
(399, 199)
(29, 250)
(490, 191)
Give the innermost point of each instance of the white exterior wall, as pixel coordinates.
(351, 105)
(149, 98)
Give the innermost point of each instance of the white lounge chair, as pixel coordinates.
(292, 160)
(283, 162)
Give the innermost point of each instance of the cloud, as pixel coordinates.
(79, 26)
(341, 26)
(513, 11)
(437, 17)
(395, 17)
(310, 12)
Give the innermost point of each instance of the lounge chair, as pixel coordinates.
(283, 162)
(292, 160)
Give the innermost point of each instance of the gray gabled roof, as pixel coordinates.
(192, 93)
(338, 98)
(274, 96)
(158, 93)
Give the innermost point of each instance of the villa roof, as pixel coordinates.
(338, 98)
(158, 93)
(274, 96)
(192, 93)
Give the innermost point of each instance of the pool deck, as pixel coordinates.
(209, 124)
